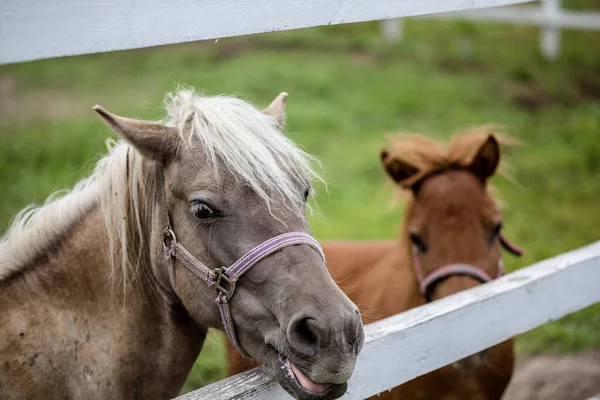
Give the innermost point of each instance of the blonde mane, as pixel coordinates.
(235, 136)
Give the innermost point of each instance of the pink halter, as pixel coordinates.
(427, 282)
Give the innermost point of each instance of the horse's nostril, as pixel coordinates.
(309, 333)
(304, 334)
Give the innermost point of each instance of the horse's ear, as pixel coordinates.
(153, 140)
(277, 108)
(486, 160)
(399, 170)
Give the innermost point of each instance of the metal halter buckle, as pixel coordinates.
(222, 277)
(168, 236)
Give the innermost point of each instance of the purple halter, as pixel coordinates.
(222, 279)
(426, 282)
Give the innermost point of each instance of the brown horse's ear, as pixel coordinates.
(277, 109)
(153, 140)
(399, 170)
(486, 160)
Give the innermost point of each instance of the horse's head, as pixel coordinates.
(453, 225)
(232, 181)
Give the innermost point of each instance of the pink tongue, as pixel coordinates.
(306, 382)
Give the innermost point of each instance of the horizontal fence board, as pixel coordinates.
(527, 15)
(426, 338)
(35, 29)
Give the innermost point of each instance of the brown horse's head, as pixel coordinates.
(452, 224)
(232, 181)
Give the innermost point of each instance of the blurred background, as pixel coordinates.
(348, 89)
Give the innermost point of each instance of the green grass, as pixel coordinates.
(347, 90)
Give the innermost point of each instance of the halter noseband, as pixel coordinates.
(427, 282)
(222, 279)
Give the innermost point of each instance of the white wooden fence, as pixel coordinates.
(34, 29)
(401, 347)
(549, 16)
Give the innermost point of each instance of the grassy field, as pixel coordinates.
(347, 91)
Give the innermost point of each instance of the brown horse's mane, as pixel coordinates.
(430, 156)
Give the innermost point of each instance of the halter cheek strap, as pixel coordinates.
(222, 279)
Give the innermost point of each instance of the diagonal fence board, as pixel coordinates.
(410, 344)
(36, 29)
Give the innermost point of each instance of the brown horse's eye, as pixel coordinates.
(496, 232)
(202, 211)
(418, 242)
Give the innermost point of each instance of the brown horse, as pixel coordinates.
(108, 291)
(450, 241)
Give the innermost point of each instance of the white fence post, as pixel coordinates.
(549, 16)
(391, 30)
(550, 34)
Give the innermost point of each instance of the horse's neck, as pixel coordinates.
(377, 276)
(403, 291)
(72, 312)
(77, 272)
(73, 271)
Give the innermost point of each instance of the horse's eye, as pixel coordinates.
(496, 231)
(306, 194)
(418, 242)
(202, 211)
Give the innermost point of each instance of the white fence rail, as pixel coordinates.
(408, 345)
(549, 16)
(34, 29)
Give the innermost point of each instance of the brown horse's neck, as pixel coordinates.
(71, 322)
(376, 275)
